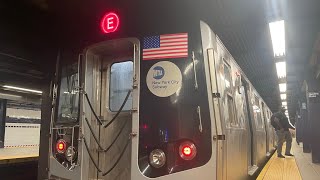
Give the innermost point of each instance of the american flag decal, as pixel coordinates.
(165, 46)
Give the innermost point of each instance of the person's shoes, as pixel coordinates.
(281, 156)
(289, 154)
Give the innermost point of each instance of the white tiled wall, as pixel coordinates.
(23, 113)
(22, 134)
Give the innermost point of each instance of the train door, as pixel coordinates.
(266, 123)
(110, 77)
(96, 103)
(211, 56)
(251, 152)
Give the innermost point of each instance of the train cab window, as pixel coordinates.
(257, 113)
(68, 109)
(121, 81)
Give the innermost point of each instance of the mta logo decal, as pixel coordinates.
(158, 72)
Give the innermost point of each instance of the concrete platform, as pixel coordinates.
(18, 154)
(308, 170)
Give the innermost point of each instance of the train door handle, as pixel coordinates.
(219, 137)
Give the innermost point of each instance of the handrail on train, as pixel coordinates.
(98, 142)
(105, 126)
(114, 165)
(117, 114)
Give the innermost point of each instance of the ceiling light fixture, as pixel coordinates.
(283, 96)
(283, 87)
(22, 89)
(284, 103)
(281, 69)
(278, 37)
(9, 95)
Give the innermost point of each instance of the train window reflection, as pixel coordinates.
(257, 113)
(121, 80)
(231, 112)
(227, 76)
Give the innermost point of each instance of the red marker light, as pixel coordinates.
(109, 23)
(61, 146)
(187, 150)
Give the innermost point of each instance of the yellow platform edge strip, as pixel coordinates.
(289, 164)
(266, 167)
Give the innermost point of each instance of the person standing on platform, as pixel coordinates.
(281, 125)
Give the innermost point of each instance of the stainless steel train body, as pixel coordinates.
(121, 113)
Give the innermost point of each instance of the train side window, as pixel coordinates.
(257, 113)
(227, 75)
(121, 80)
(231, 110)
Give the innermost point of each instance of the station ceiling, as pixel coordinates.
(242, 26)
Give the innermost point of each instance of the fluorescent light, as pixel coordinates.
(284, 103)
(22, 89)
(283, 87)
(283, 96)
(278, 37)
(281, 69)
(10, 95)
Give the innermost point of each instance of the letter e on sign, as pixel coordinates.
(109, 23)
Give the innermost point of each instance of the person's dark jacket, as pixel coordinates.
(283, 121)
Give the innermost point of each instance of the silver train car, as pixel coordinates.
(157, 104)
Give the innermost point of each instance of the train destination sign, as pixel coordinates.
(110, 23)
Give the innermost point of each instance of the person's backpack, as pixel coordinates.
(273, 123)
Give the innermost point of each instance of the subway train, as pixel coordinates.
(156, 95)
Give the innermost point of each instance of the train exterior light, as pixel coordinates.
(70, 153)
(61, 146)
(187, 150)
(110, 23)
(157, 158)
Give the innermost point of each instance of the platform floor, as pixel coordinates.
(18, 154)
(308, 170)
(291, 168)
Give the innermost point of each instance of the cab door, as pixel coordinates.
(210, 55)
(111, 82)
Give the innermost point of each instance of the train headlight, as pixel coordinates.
(187, 150)
(157, 158)
(70, 153)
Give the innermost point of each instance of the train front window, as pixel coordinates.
(68, 95)
(120, 83)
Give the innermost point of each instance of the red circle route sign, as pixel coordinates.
(110, 22)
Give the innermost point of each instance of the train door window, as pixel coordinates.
(68, 108)
(227, 75)
(230, 115)
(257, 113)
(121, 81)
